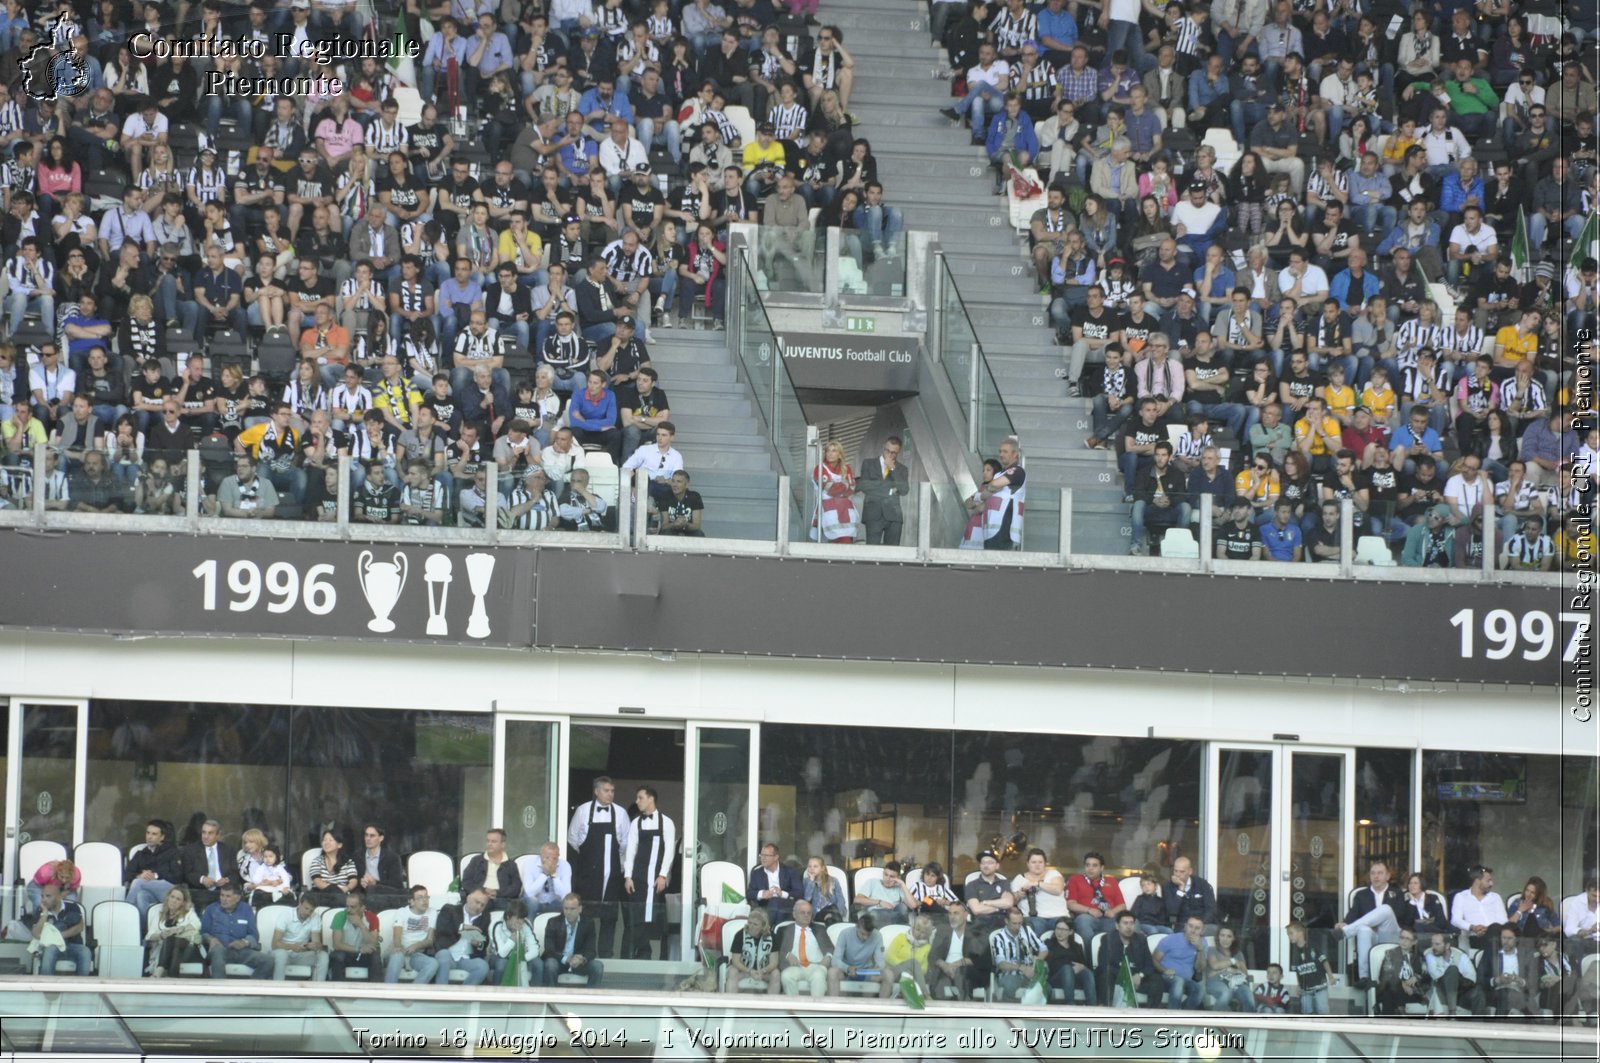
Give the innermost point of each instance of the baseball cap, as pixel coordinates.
(766, 127)
(571, 219)
(303, 5)
(642, 169)
(1198, 186)
(628, 321)
(1274, 105)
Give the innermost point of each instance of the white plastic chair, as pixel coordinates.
(714, 874)
(35, 854)
(604, 477)
(305, 866)
(743, 124)
(1130, 885)
(101, 865)
(118, 950)
(1179, 542)
(864, 876)
(431, 869)
(842, 880)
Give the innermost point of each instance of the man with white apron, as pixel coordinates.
(647, 858)
(596, 836)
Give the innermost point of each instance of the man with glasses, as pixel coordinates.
(659, 460)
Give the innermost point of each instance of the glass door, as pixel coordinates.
(1282, 827)
(51, 749)
(529, 792)
(720, 807)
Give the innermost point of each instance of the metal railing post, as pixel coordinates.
(36, 503)
(924, 520)
(491, 502)
(830, 286)
(936, 307)
(194, 484)
(1064, 533)
(342, 512)
(785, 508)
(625, 507)
(1347, 536)
(1208, 516)
(640, 489)
(973, 398)
(1489, 532)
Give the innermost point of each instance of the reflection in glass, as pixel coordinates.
(49, 751)
(722, 758)
(1477, 807)
(277, 1026)
(1383, 811)
(1316, 839)
(530, 792)
(1244, 848)
(65, 1023)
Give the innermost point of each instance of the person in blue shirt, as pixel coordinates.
(1281, 536)
(228, 929)
(67, 917)
(602, 103)
(1354, 287)
(446, 45)
(1413, 439)
(592, 414)
(1208, 97)
(1011, 124)
(220, 294)
(1058, 32)
(1175, 956)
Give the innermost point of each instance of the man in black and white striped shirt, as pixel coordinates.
(1013, 26)
(1012, 950)
(479, 345)
(532, 506)
(629, 265)
(33, 287)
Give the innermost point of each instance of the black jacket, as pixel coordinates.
(477, 873)
(1363, 903)
(163, 860)
(555, 938)
(447, 931)
(391, 875)
(974, 946)
(521, 303)
(1171, 481)
(194, 863)
(1436, 913)
(1108, 965)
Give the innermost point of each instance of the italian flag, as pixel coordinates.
(1124, 988)
(401, 65)
(1584, 246)
(1520, 264)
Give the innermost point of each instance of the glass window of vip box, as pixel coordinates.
(424, 777)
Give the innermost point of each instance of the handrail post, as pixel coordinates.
(36, 503)
(830, 268)
(491, 501)
(1208, 516)
(195, 486)
(1489, 532)
(625, 506)
(785, 508)
(640, 489)
(936, 307)
(1064, 533)
(973, 400)
(342, 512)
(924, 520)
(1347, 536)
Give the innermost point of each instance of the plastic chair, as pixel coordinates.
(842, 880)
(35, 854)
(864, 876)
(305, 867)
(1372, 550)
(431, 869)
(715, 874)
(119, 946)
(1130, 885)
(743, 124)
(604, 477)
(101, 865)
(1179, 542)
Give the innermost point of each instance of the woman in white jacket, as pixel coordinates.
(174, 935)
(505, 937)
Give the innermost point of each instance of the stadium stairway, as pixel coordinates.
(719, 432)
(941, 183)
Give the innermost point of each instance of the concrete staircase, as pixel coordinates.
(719, 432)
(942, 183)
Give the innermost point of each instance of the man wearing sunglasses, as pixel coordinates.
(659, 460)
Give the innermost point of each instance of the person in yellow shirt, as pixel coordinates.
(1515, 342)
(395, 396)
(908, 953)
(1575, 542)
(1379, 397)
(1258, 484)
(521, 248)
(763, 161)
(1317, 435)
(1339, 396)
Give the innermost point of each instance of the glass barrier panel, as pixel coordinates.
(1101, 520)
(717, 504)
(994, 422)
(756, 346)
(1041, 526)
(883, 252)
(957, 339)
(790, 259)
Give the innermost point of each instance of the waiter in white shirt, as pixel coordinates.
(597, 834)
(647, 861)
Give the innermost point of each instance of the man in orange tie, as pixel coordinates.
(803, 951)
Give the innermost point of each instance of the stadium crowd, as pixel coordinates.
(1041, 935)
(1349, 243)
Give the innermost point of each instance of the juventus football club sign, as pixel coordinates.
(211, 585)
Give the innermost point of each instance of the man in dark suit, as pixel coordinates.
(803, 950)
(883, 481)
(1373, 919)
(1127, 941)
(569, 945)
(1508, 973)
(773, 885)
(381, 874)
(207, 864)
(467, 921)
(958, 958)
(507, 884)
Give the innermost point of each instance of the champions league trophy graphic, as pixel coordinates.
(381, 583)
(438, 572)
(480, 569)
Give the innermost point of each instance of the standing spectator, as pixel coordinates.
(883, 483)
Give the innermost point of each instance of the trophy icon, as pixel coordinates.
(480, 569)
(381, 583)
(438, 573)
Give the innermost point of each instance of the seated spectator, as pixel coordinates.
(1506, 974)
(858, 957)
(959, 957)
(1563, 992)
(64, 873)
(1068, 964)
(493, 871)
(569, 945)
(1323, 543)
(1160, 499)
(1013, 950)
(1227, 975)
(268, 882)
(886, 898)
(753, 957)
(532, 504)
(593, 417)
(1403, 978)
(1532, 914)
(659, 459)
(332, 871)
(245, 494)
(1431, 544)
(907, 955)
(513, 944)
(381, 874)
(1186, 894)
(1420, 910)
(1373, 918)
(1455, 983)
(804, 950)
(56, 926)
(550, 881)
(228, 929)
(1177, 960)
(208, 864)
(1580, 920)
(1477, 909)
(1011, 142)
(461, 939)
(1238, 539)
(823, 893)
(1041, 893)
(988, 895)
(174, 935)
(300, 935)
(931, 892)
(773, 885)
(1093, 899)
(151, 872)
(1272, 996)
(1312, 969)
(1127, 943)
(355, 941)
(683, 510)
(1150, 908)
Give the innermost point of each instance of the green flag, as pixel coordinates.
(1519, 249)
(1583, 247)
(512, 975)
(913, 995)
(708, 957)
(401, 65)
(731, 895)
(1124, 987)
